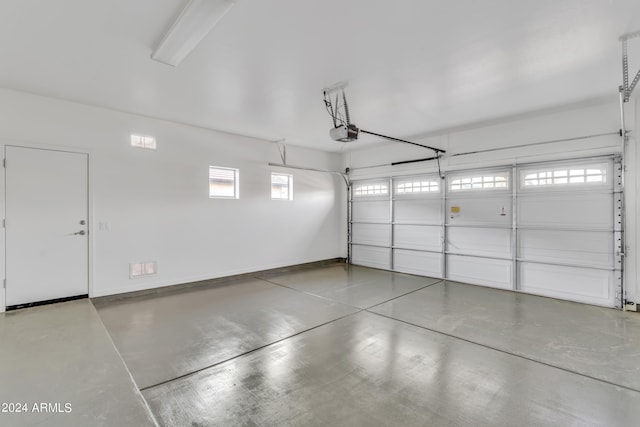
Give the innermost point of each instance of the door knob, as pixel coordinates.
(80, 233)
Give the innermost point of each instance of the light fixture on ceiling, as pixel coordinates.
(190, 27)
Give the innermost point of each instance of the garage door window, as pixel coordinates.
(370, 189)
(416, 185)
(572, 175)
(492, 181)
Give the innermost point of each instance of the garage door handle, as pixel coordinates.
(80, 233)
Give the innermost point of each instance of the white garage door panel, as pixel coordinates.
(423, 237)
(549, 229)
(567, 247)
(481, 271)
(476, 211)
(416, 262)
(371, 257)
(582, 210)
(371, 234)
(577, 284)
(479, 241)
(424, 211)
(371, 211)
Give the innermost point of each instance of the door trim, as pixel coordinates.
(4, 143)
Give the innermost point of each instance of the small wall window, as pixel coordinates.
(369, 189)
(416, 185)
(223, 182)
(592, 174)
(143, 141)
(480, 182)
(281, 186)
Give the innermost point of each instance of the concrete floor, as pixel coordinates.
(186, 332)
(588, 340)
(332, 345)
(61, 354)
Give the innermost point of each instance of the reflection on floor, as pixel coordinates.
(592, 341)
(345, 345)
(166, 337)
(369, 370)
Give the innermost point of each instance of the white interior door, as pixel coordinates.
(46, 225)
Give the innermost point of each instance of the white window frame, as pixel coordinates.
(479, 181)
(236, 183)
(417, 186)
(368, 189)
(568, 176)
(289, 186)
(143, 141)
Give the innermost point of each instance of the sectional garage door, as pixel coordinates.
(551, 229)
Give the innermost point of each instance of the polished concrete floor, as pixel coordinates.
(332, 345)
(588, 340)
(61, 356)
(165, 337)
(367, 370)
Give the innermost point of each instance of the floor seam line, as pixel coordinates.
(505, 352)
(352, 306)
(249, 352)
(404, 295)
(133, 380)
(309, 293)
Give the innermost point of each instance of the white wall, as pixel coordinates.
(158, 207)
(157, 203)
(592, 118)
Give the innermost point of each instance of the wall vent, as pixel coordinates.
(142, 269)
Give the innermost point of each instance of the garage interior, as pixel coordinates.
(222, 212)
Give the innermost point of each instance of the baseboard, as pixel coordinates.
(176, 288)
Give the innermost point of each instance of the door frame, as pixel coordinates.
(4, 143)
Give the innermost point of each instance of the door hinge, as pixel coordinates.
(4, 283)
(4, 162)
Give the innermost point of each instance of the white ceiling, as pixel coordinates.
(413, 66)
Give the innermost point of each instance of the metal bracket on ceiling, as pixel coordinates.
(282, 149)
(626, 88)
(344, 176)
